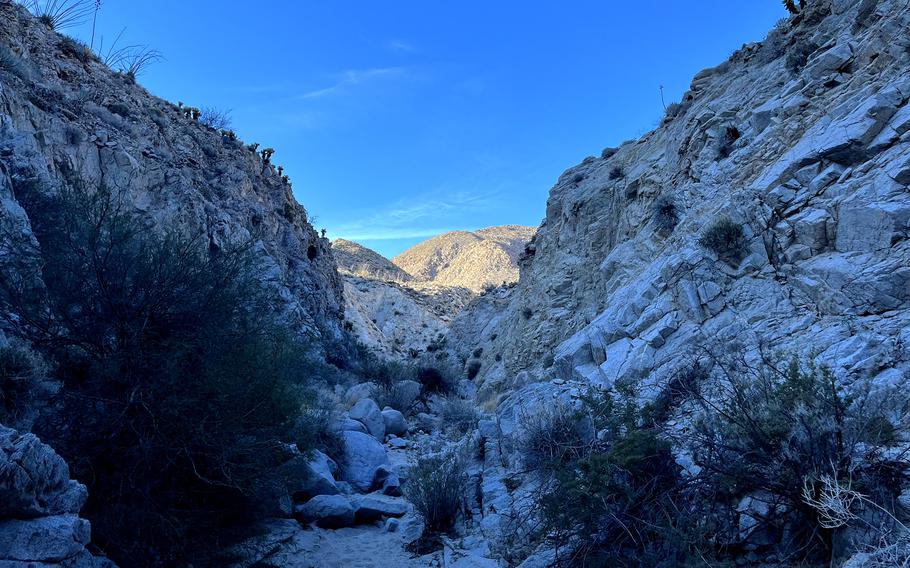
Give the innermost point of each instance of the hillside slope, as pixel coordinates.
(472, 260)
(357, 260)
(67, 120)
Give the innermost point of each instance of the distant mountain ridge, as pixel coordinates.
(354, 259)
(399, 307)
(472, 260)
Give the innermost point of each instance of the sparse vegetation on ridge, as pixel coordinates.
(725, 238)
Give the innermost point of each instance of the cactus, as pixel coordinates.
(253, 147)
(267, 154)
(791, 6)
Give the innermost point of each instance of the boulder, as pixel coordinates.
(408, 390)
(47, 539)
(349, 425)
(363, 455)
(358, 392)
(387, 481)
(34, 480)
(309, 476)
(395, 422)
(327, 511)
(371, 508)
(367, 413)
(39, 506)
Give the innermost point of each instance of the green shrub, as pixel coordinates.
(436, 487)
(177, 389)
(789, 434)
(459, 414)
(665, 217)
(725, 238)
(434, 380)
(24, 378)
(395, 395)
(608, 153)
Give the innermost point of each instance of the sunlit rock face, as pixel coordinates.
(403, 308)
(803, 140)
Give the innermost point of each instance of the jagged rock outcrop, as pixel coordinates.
(39, 507)
(804, 141)
(68, 120)
(472, 260)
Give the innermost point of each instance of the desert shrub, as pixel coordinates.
(829, 461)
(12, 63)
(473, 369)
(214, 118)
(614, 501)
(725, 238)
(394, 395)
(60, 14)
(312, 430)
(665, 217)
(24, 381)
(682, 385)
(377, 369)
(459, 414)
(783, 431)
(119, 108)
(177, 389)
(616, 173)
(477, 352)
(527, 312)
(433, 380)
(608, 153)
(75, 49)
(436, 488)
(578, 178)
(551, 437)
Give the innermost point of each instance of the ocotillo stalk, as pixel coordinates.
(94, 20)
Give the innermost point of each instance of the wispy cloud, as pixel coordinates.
(402, 46)
(423, 216)
(353, 78)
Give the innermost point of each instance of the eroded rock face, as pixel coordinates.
(39, 507)
(67, 121)
(812, 162)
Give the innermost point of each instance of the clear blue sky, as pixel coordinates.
(401, 119)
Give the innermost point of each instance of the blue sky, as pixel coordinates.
(401, 119)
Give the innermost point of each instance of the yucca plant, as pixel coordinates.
(61, 14)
